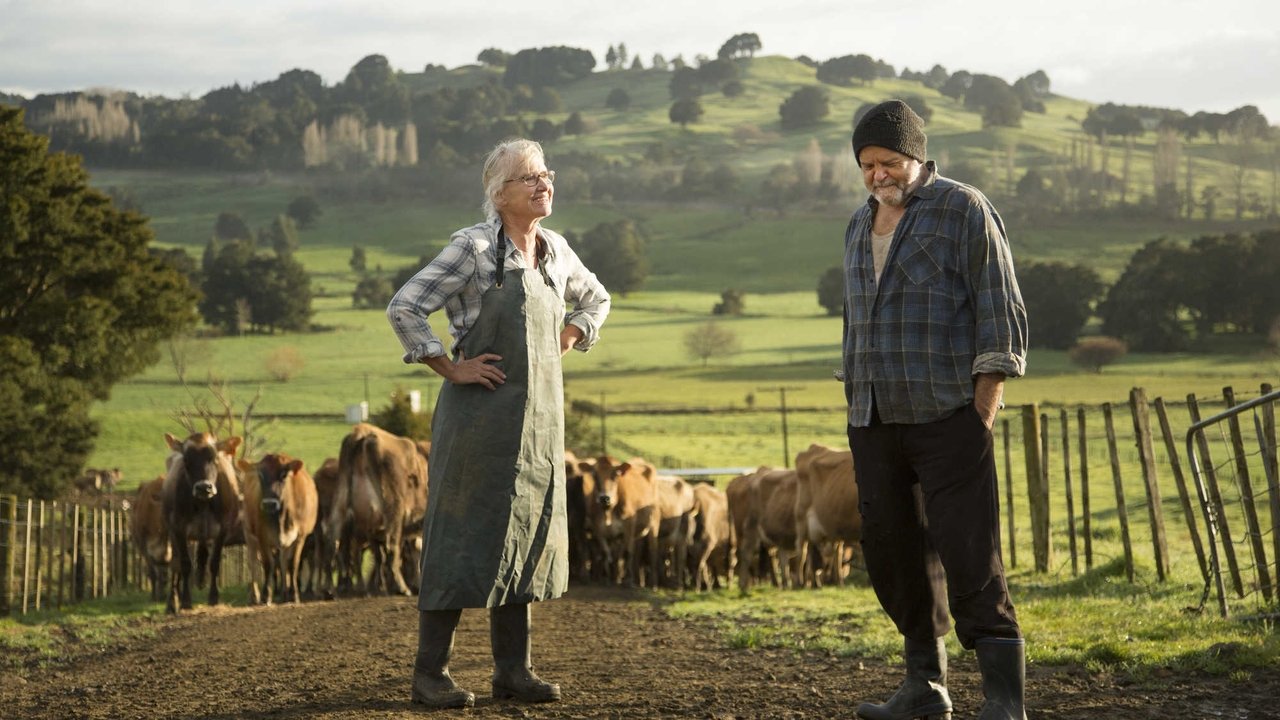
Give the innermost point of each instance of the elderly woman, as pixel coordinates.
(495, 534)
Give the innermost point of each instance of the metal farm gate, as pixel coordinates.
(1233, 462)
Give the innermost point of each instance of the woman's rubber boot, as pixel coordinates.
(923, 695)
(513, 676)
(432, 685)
(1004, 676)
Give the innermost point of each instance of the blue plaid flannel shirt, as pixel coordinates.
(946, 309)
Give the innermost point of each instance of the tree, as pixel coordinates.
(358, 261)
(1095, 352)
(618, 99)
(275, 290)
(575, 124)
(373, 291)
(546, 100)
(733, 89)
(230, 226)
(732, 302)
(685, 112)
(548, 66)
(83, 305)
(806, 106)
(831, 291)
(844, 70)
(711, 339)
(304, 210)
(281, 235)
(1143, 307)
(998, 104)
(685, 84)
(957, 84)
(493, 57)
(615, 253)
(1060, 298)
(741, 44)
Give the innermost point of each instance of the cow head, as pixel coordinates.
(606, 471)
(272, 474)
(196, 460)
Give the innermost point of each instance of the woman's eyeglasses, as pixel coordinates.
(531, 180)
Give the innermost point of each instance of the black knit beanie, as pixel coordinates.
(893, 125)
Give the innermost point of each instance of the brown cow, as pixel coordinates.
(623, 512)
(382, 493)
(763, 509)
(280, 505)
(201, 505)
(711, 551)
(675, 530)
(150, 533)
(826, 510)
(318, 554)
(577, 487)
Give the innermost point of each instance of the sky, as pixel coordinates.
(1183, 54)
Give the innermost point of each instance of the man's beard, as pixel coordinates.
(893, 194)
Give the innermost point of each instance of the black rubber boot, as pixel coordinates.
(513, 676)
(1004, 676)
(923, 694)
(432, 685)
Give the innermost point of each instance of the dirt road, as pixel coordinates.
(614, 652)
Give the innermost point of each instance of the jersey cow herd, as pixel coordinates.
(307, 533)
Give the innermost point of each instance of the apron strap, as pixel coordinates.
(502, 255)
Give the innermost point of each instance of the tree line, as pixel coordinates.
(1171, 296)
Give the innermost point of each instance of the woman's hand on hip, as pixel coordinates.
(569, 337)
(477, 371)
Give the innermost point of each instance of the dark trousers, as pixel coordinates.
(929, 501)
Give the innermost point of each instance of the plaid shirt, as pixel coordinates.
(947, 306)
(458, 277)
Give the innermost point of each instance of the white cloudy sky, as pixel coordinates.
(1186, 54)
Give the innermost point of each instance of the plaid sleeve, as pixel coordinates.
(427, 292)
(1000, 313)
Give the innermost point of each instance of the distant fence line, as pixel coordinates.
(53, 553)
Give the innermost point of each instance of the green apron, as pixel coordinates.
(495, 532)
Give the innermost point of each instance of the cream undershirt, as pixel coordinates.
(880, 251)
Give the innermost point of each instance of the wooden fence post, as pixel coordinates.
(1267, 440)
(1008, 492)
(62, 554)
(26, 560)
(1215, 497)
(1246, 498)
(1071, 506)
(1184, 496)
(8, 543)
(1084, 489)
(1122, 512)
(1037, 490)
(77, 559)
(1147, 456)
(40, 553)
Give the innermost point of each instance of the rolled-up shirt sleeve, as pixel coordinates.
(425, 293)
(1001, 315)
(589, 300)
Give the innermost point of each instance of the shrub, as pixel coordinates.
(284, 363)
(398, 417)
(1095, 352)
